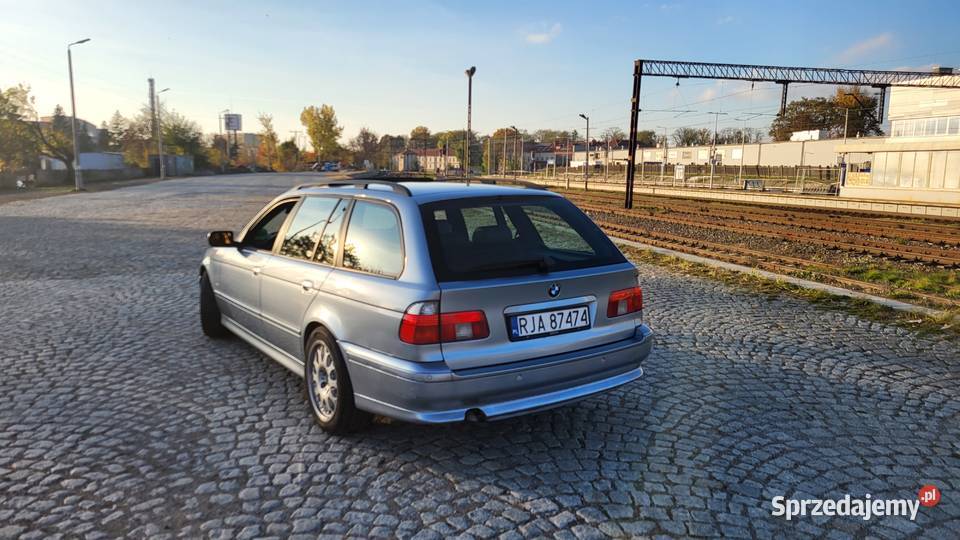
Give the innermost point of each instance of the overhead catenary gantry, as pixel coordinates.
(782, 75)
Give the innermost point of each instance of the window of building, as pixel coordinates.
(938, 163)
(306, 227)
(953, 126)
(906, 168)
(951, 177)
(373, 240)
(890, 169)
(942, 126)
(878, 168)
(921, 169)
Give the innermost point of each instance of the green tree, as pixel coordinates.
(322, 128)
(364, 146)
(183, 136)
(268, 155)
(289, 155)
(862, 109)
(389, 146)
(19, 146)
(420, 138)
(549, 136)
(613, 134)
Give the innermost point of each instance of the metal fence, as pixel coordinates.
(810, 180)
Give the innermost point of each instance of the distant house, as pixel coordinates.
(425, 159)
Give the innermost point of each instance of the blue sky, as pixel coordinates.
(393, 65)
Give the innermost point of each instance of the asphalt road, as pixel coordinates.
(118, 418)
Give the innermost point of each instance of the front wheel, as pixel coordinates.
(209, 311)
(328, 386)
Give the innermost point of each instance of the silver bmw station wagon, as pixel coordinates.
(428, 301)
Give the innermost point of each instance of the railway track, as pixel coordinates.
(788, 231)
(937, 235)
(780, 264)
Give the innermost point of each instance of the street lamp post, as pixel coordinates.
(163, 169)
(520, 162)
(586, 160)
(77, 174)
(224, 158)
(466, 137)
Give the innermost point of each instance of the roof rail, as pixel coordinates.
(360, 183)
(499, 181)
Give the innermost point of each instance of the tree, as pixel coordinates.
(267, 154)
(183, 136)
(805, 114)
(364, 146)
(114, 132)
(322, 128)
(18, 145)
(420, 137)
(686, 136)
(648, 139)
(389, 146)
(613, 134)
(289, 155)
(862, 112)
(549, 136)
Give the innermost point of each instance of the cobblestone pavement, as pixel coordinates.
(117, 417)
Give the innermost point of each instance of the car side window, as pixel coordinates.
(306, 226)
(330, 239)
(264, 234)
(373, 240)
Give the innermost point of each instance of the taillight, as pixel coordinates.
(423, 325)
(625, 301)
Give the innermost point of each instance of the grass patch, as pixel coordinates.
(946, 325)
(944, 283)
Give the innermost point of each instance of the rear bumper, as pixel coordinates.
(432, 393)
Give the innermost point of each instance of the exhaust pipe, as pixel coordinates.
(475, 415)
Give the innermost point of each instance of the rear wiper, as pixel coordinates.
(543, 264)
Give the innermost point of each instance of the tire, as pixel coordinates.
(209, 311)
(327, 385)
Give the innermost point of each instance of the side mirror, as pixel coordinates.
(220, 239)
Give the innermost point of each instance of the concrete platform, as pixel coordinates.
(779, 199)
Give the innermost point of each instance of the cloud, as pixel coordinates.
(864, 48)
(726, 20)
(544, 36)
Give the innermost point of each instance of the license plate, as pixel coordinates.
(549, 322)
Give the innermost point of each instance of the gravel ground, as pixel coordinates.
(118, 418)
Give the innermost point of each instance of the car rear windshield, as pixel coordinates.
(482, 238)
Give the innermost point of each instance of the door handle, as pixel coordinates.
(306, 284)
(256, 270)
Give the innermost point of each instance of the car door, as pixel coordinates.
(236, 271)
(293, 274)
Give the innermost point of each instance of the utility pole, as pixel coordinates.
(713, 147)
(586, 161)
(504, 164)
(663, 162)
(489, 154)
(163, 169)
(517, 131)
(77, 173)
(466, 138)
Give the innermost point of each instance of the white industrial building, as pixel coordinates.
(920, 161)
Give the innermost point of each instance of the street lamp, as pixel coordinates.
(520, 163)
(224, 158)
(77, 175)
(586, 161)
(466, 138)
(163, 168)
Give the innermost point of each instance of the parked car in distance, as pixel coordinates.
(428, 302)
